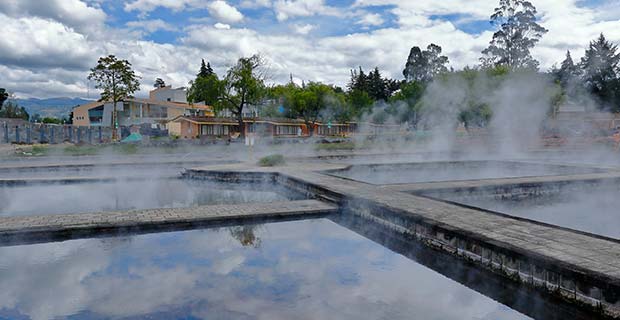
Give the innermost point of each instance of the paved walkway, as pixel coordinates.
(559, 245)
(23, 227)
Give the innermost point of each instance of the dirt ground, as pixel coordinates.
(6, 149)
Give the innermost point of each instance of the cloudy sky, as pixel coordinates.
(49, 46)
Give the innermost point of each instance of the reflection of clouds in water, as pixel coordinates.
(303, 270)
(126, 195)
(45, 281)
(438, 171)
(592, 210)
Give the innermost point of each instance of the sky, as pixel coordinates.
(49, 46)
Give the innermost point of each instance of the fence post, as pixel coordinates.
(6, 132)
(79, 134)
(16, 134)
(28, 134)
(41, 133)
(100, 135)
(52, 135)
(70, 130)
(90, 135)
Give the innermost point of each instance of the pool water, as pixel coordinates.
(451, 171)
(313, 269)
(131, 194)
(590, 210)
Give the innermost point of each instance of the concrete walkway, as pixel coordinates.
(21, 229)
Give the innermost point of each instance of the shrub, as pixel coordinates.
(271, 161)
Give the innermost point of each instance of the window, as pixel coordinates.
(286, 130)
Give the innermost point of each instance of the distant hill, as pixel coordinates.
(52, 107)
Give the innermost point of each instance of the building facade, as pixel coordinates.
(162, 105)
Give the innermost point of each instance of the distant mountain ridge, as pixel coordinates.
(51, 107)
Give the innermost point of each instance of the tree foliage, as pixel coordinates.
(309, 101)
(600, 66)
(423, 65)
(3, 96)
(205, 70)
(518, 33)
(568, 72)
(243, 85)
(206, 88)
(116, 80)
(159, 83)
(13, 111)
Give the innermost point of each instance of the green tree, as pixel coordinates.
(424, 65)
(3, 96)
(600, 66)
(13, 111)
(568, 71)
(358, 81)
(117, 81)
(242, 86)
(52, 120)
(360, 102)
(377, 86)
(207, 89)
(309, 102)
(159, 83)
(409, 96)
(205, 69)
(518, 33)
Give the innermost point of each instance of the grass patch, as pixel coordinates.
(271, 161)
(39, 150)
(336, 146)
(126, 148)
(84, 150)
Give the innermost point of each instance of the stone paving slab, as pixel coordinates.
(22, 226)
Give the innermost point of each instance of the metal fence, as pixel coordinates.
(31, 133)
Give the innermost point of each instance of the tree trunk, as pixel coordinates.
(241, 125)
(310, 127)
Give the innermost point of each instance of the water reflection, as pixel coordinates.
(594, 211)
(451, 171)
(301, 270)
(246, 235)
(127, 195)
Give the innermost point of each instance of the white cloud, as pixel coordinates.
(303, 28)
(42, 56)
(146, 6)
(286, 9)
(221, 26)
(371, 19)
(151, 25)
(224, 12)
(73, 13)
(37, 42)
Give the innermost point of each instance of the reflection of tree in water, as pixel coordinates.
(246, 235)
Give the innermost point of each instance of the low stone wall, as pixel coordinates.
(519, 191)
(598, 292)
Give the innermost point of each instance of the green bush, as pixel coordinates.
(271, 161)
